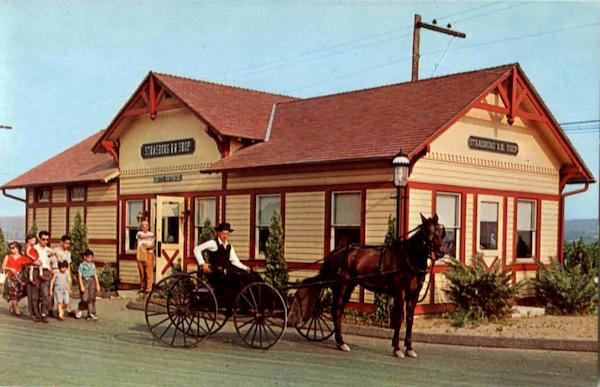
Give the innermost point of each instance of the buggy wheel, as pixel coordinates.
(260, 315)
(168, 313)
(199, 309)
(319, 325)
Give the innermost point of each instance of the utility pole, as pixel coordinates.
(417, 38)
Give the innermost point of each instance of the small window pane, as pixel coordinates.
(42, 194)
(77, 193)
(170, 222)
(266, 207)
(345, 236)
(205, 209)
(450, 242)
(524, 244)
(525, 215)
(263, 235)
(346, 209)
(134, 209)
(489, 212)
(447, 209)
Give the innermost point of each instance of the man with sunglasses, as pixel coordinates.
(38, 292)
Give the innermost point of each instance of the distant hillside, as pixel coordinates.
(581, 228)
(13, 227)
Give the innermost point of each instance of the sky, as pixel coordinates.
(67, 67)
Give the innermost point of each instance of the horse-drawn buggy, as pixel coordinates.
(185, 308)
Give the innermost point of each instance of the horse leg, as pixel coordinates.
(336, 314)
(397, 318)
(410, 313)
(345, 297)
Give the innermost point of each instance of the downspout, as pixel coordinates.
(580, 190)
(561, 214)
(12, 196)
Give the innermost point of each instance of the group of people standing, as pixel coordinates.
(43, 275)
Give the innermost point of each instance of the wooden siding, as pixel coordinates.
(59, 194)
(381, 203)
(310, 178)
(510, 215)
(30, 195)
(41, 219)
(30, 221)
(549, 231)
(441, 283)
(304, 226)
(101, 222)
(238, 214)
(128, 272)
(527, 290)
(470, 233)
(104, 253)
(59, 222)
(419, 203)
(192, 181)
(102, 193)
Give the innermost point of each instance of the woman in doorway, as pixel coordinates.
(145, 256)
(15, 276)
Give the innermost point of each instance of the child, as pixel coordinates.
(88, 285)
(32, 254)
(59, 286)
(145, 256)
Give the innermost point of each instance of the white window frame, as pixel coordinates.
(199, 223)
(333, 211)
(534, 231)
(258, 226)
(457, 227)
(128, 227)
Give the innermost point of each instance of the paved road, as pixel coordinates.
(117, 350)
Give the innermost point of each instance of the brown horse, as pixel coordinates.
(398, 270)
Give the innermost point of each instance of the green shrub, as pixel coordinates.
(3, 245)
(566, 289)
(108, 279)
(582, 254)
(208, 231)
(79, 243)
(276, 273)
(33, 230)
(478, 293)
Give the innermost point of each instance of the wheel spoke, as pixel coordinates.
(160, 322)
(271, 329)
(175, 331)
(249, 330)
(166, 329)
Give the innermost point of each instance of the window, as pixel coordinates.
(170, 222)
(134, 210)
(42, 195)
(77, 193)
(346, 218)
(488, 226)
(525, 228)
(206, 208)
(448, 210)
(265, 209)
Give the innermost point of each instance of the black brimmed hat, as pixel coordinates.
(223, 227)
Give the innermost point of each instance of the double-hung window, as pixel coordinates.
(134, 209)
(206, 209)
(488, 226)
(265, 209)
(525, 228)
(448, 209)
(345, 222)
(77, 193)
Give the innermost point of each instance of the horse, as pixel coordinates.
(397, 269)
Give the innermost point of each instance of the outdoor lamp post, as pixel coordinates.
(401, 165)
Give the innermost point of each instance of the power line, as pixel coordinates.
(282, 62)
(578, 122)
(442, 57)
(491, 42)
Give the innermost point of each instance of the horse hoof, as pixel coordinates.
(411, 353)
(344, 347)
(398, 353)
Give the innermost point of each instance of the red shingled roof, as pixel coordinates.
(232, 111)
(75, 165)
(366, 124)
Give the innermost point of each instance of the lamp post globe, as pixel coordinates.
(401, 165)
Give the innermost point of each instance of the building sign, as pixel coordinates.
(167, 178)
(168, 148)
(491, 145)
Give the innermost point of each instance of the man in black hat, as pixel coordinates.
(222, 258)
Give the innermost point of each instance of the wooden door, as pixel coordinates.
(169, 234)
